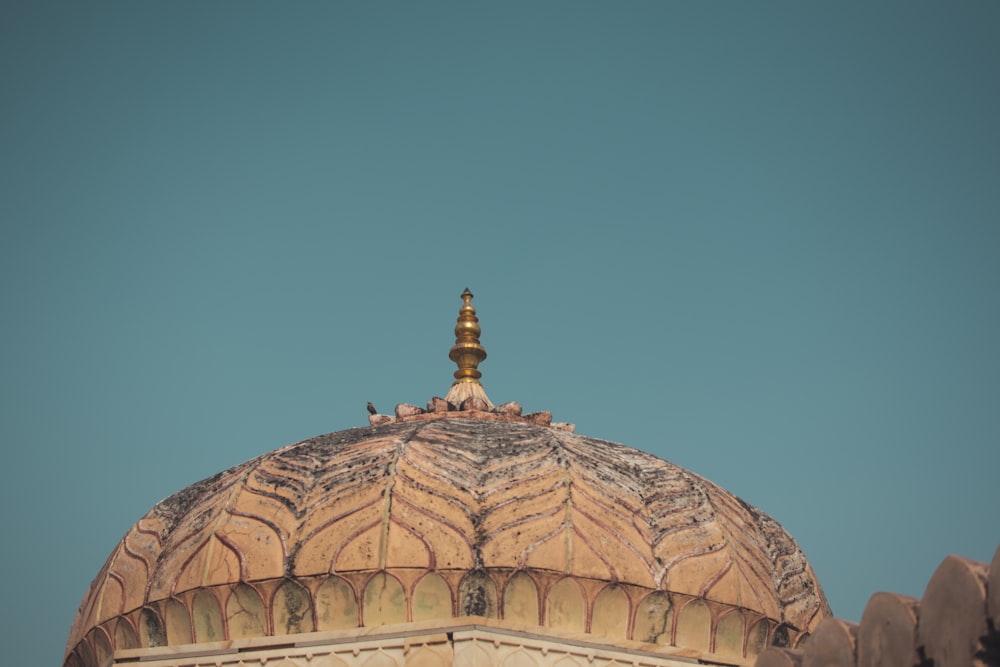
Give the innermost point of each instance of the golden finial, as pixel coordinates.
(467, 353)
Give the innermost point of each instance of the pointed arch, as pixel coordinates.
(653, 619)
(519, 658)
(151, 630)
(125, 635)
(611, 613)
(178, 622)
(336, 605)
(101, 644)
(385, 601)
(694, 626)
(380, 659)
(245, 615)
(757, 637)
(520, 599)
(730, 633)
(432, 598)
(291, 609)
(565, 606)
(206, 617)
(477, 596)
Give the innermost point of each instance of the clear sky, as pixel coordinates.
(759, 240)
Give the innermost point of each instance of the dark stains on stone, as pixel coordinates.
(781, 637)
(474, 595)
(155, 633)
(296, 607)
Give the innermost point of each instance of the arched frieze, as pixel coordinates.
(206, 617)
(336, 605)
(730, 634)
(384, 601)
(653, 622)
(565, 606)
(610, 614)
(177, 622)
(152, 633)
(694, 626)
(125, 635)
(291, 609)
(432, 598)
(477, 596)
(520, 600)
(245, 615)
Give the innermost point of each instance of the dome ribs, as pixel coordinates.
(303, 481)
(432, 496)
(611, 540)
(798, 590)
(437, 518)
(178, 508)
(400, 551)
(345, 543)
(191, 532)
(280, 535)
(349, 495)
(136, 583)
(453, 497)
(562, 463)
(601, 505)
(383, 546)
(516, 490)
(672, 502)
(334, 526)
(744, 544)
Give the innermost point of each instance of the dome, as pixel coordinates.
(459, 510)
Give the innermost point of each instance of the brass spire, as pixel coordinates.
(467, 353)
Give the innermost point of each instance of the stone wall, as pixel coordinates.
(955, 624)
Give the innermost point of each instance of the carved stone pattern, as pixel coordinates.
(448, 496)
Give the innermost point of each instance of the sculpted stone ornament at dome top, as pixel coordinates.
(518, 539)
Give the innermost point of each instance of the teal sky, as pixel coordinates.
(759, 240)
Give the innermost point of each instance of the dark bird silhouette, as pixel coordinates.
(371, 409)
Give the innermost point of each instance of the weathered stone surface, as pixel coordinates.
(475, 403)
(379, 420)
(438, 404)
(512, 408)
(887, 635)
(563, 426)
(540, 418)
(404, 410)
(831, 645)
(953, 613)
(423, 504)
(779, 657)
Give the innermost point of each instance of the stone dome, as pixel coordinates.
(450, 514)
(459, 510)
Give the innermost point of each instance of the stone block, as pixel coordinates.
(953, 613)
(887, 636)
(475, 403)
(406, 410)
(438, 404)
(540, 418)
(831, 645)
(512, 408)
